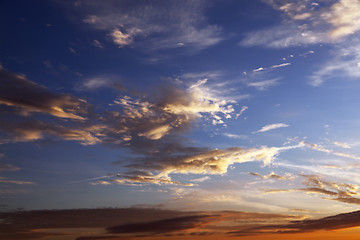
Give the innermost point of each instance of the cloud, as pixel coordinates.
(100, 81)
(130, 222)
(341, 144)
(341, 192)
(263, 85)
(344, 16)
(29, 130)
(345, 60)
(72, 50)
(322, 149)
(27, 97)
(273, 66)
(305, 23)
(97, 43)
(271, 127)
(258, 69)
(336, 222)
(32, 224)
(273, 176)
(206, 161)
(173, 111)
(152, 25)
(100, 183)
(138, 179)
(280, 65)
(150, 126)
(164, 226)
(243, 109)
(120, 38)
(236, 136)
(6, 180)
(203, 179)
(8, 167)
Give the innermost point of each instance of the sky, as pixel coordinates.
(204, 118)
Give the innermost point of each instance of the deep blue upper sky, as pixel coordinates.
(189, 104)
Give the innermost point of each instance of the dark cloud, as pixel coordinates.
(341, 221)
(129, 223)
(28, 97)
(101, 238)
(20, 98)
(163, 226)
(19, 224)
(29, 129)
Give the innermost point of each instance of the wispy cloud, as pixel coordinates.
(242, 110)
(18, 182)
(280, 65)
(236, 136)
(258, 69)
(322, 149)
(203, 179)
(100, 81)
(97, 43)
(151, 25)
(342, 144)
(271, 127)
(273, 66)
(305, 24)
(344, 60)
(341, 192)
(138, 179)
(263, 85)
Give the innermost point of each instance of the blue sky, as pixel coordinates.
(201, 105)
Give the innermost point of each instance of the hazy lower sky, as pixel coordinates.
(201, 106)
